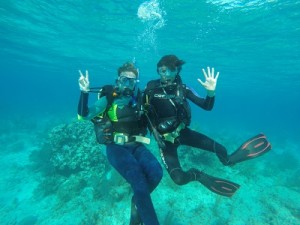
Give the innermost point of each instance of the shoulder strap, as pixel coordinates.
(140, 101)
(153, 84)
(108, 92)
(180, 89)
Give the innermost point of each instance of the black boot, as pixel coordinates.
(135, 218)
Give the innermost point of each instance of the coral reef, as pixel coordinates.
(69, 181)
(68, 149)
(70, 159)
(75, 171)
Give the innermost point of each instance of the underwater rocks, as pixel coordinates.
(29, 220)
(68, 149)
(69, 159)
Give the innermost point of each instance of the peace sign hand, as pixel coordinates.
(84, 83)
(210, 81)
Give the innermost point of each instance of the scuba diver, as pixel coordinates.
(169, 116)
(119, 123)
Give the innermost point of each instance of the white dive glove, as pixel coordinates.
(210, 81)
(84, 83)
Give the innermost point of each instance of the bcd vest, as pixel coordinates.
(117, 119)
(168, 104)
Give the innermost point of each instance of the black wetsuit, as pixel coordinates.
(168, 107)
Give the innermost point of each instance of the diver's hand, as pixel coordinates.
(210, 81)
(84, 83)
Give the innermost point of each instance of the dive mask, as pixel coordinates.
(127, 81)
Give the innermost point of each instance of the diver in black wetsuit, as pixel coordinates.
(169, 115)
(123, 133)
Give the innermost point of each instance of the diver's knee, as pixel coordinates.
(140, 185)
(178, 176)
(156, 173)
(158, 176)
(178, 180)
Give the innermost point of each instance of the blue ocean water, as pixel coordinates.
(253, 44)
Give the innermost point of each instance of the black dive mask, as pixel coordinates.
(126, 85)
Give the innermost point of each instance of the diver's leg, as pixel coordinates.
(198, 140)
(150, 166)
(135, 218)
(153, 172)
(218, 185)
(215, 184)
(170, 159)
(123, 160)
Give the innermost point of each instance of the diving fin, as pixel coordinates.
(218, 185)
(252, 148)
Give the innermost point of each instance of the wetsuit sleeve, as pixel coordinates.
(205, 103)
(83, 104)
(87, 113)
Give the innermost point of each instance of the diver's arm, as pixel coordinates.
(83, 109)
(205, 103)
(210, 82)
(84, 112)
(87, 113)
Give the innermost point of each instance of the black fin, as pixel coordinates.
(218, 185)
(252, 148)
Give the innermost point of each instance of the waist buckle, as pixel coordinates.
(173, 135)
(120, 138)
